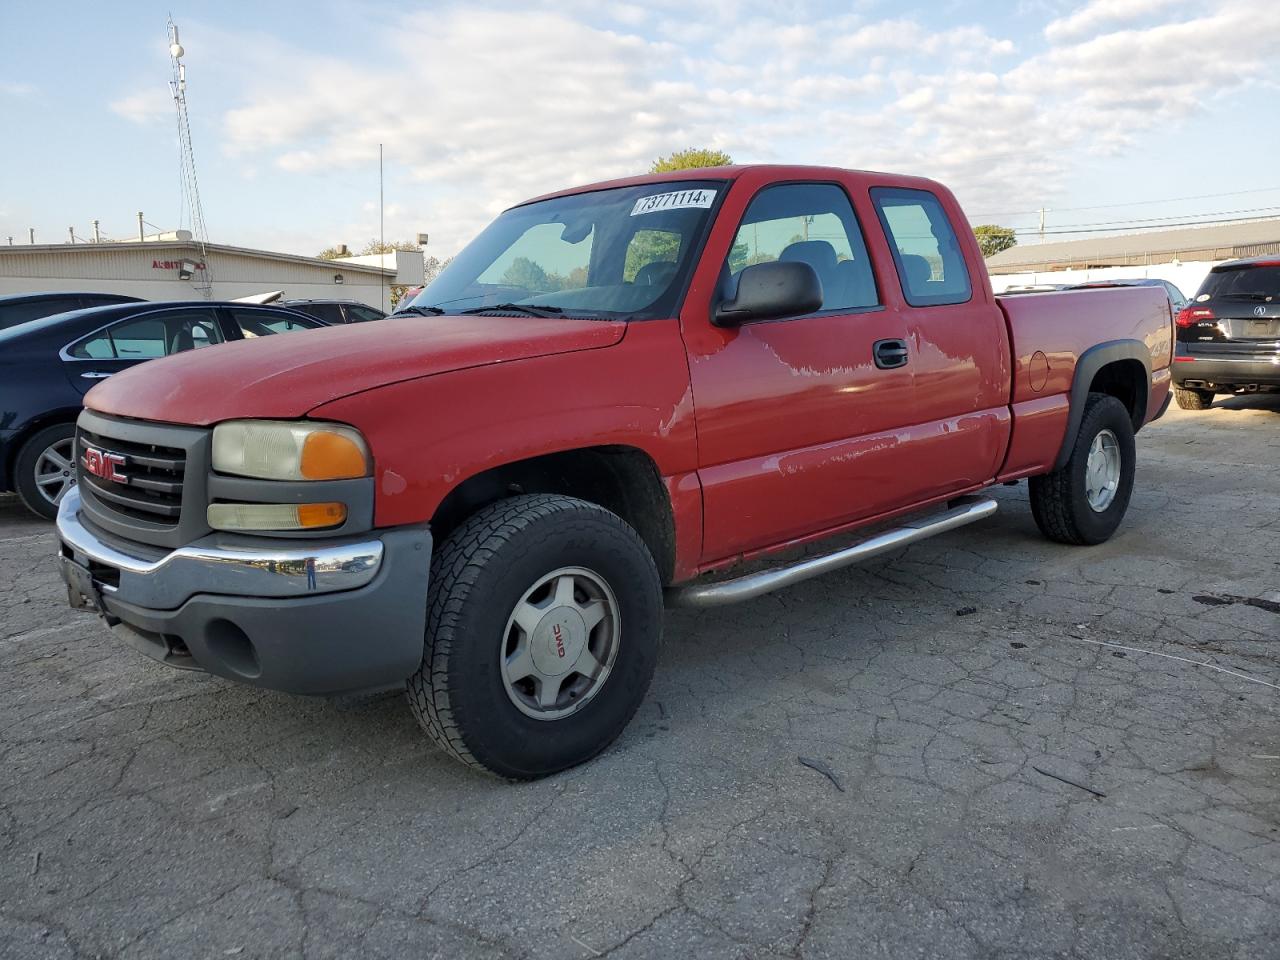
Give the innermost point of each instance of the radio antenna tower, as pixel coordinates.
(188, 184)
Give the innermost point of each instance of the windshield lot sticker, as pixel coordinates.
(678, 200)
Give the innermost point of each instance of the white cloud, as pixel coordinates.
(147, 106)
(482, 108)
(1097, 15)
(15, 88)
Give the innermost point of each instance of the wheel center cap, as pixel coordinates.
(558, 641)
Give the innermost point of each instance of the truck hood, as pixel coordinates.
(286, 375)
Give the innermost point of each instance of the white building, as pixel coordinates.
(173, 266)
(1182, 256)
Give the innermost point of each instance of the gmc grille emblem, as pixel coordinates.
(100, 463)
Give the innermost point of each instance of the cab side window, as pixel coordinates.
(809, 223)
(930, 263)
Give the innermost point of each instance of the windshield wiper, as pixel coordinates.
(422, 311)
(527, 308)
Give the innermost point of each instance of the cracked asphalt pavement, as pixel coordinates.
(1044, 751)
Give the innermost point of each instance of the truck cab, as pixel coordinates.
(629, 392)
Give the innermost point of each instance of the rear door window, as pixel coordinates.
(930, 264)
(361, 314)
(264, 323)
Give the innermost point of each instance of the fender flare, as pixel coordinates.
(1087, 367)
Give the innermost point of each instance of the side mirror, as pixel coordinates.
(769, 291)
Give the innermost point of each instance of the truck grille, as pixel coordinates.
(147, 485)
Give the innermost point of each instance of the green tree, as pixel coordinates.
(992, 239)
(691, 159)
(523, 272)
(649, 246)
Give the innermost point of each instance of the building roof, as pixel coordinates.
(188, 247)
(1226, 241)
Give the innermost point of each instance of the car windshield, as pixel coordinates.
(1254, 283)
(623, 253)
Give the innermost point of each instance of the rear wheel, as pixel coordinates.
(543, 629)
(1084, 502)
(1189, 398)
(45, 469)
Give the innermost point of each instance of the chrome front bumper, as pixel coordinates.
(303, 616)
(221, 564)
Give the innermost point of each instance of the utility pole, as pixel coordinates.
(31, 233)
(382, 231)
(1042, 213)
(97, 235)
(71, 232)
(141, 234)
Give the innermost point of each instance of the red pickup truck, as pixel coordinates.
(647, 386)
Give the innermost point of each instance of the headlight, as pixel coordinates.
(289, 450)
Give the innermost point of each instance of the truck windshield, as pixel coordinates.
(609, 254)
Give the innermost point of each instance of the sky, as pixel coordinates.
(1100, 111)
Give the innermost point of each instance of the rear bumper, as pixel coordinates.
(1227, 372)
(317, 617)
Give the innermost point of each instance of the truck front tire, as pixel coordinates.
(1084, 502)
(543, 627)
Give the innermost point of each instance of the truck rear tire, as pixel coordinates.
(1084, 502)
(526, 670)
(1189, 398)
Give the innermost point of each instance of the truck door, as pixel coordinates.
(803, 423)
(960, 355)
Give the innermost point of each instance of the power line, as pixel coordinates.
(1133, 203)
(1138, 222)
(1186, 223)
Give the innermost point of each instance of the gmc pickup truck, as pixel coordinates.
(643, 389)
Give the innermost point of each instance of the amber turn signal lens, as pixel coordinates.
(332, 456)
(321, 515)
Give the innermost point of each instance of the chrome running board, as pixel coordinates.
(962, 511)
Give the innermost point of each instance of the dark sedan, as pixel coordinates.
(334, 312)
(47, 366)
(1176, 300)
(1229, 335)
(19, 308)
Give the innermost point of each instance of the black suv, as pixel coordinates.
(20, 307)
(334, 312)
(1229, 334)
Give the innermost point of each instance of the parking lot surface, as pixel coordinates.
(1010, 749)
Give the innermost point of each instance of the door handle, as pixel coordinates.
(890, 353)
(95, 375)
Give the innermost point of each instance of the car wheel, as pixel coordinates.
(1192, 399)
(1084, 502)
(45, 469)
(543, 627)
